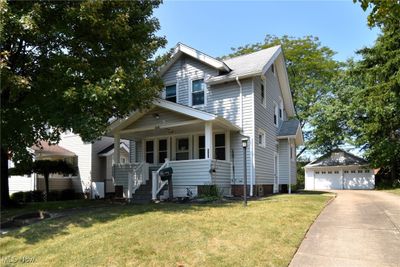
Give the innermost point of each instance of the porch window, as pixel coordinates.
(162, 150)
(202, 147)
(198, 92)
(170, 93)
(220, 146)
(150, 151)
(182, 149)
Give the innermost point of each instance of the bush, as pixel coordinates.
(209, 191)
(67, 194)
(36, 196)
(54, 196)
(18, 196)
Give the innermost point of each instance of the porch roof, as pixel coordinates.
(291, 129)
(197, 115)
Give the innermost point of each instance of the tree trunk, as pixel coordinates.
(5, 197)
(46, 181)
(394, 171)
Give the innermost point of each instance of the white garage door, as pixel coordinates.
(327, 180)
(358, 179)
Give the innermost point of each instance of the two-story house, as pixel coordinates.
(197, 126)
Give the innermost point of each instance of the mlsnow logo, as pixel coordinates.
(15, 260)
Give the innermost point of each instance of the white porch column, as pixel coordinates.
(208, 140)
(228, 145)
(116, 148)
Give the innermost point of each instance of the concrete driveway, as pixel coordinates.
(358, 228)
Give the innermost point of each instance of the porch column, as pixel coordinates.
(208, 140)
(116, 148)
(228, 145)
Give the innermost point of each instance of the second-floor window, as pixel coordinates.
(263, 102)
(275, 114)
(170, 93)
(198, 92)
(281, 109)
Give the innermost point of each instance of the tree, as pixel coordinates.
(72, 65)
(363, 109)
(311, 69)
(45, 168)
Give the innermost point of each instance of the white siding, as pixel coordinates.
(283, 161)
(264, 120)
(20, 183)
(184, 70)
(98, 146)
(191, 172)
(74, 143)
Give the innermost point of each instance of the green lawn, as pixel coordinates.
(394, 191)
(266, 233)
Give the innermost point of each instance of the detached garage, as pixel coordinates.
(339, 170)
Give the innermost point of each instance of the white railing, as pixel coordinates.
(138, 176)
(158, 184)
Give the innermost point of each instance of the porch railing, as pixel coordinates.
(157, 183)
(136, 177)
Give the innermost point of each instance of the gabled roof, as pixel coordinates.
(248, 65)
(110, 150)
(52, 150)
(181, 49)
(179, 108)
(291, 129)
(338, 157)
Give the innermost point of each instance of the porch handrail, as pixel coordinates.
(137, 177)
(158, 184)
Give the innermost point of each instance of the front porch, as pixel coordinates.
(196, 144)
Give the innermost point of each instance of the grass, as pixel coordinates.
(51, 206)
(393, 191)
(266, 233)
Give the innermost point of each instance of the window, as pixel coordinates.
(353, 171)
(323, 172)
(346, 171)
(336, 172)
(162, 150)
(170, 93)
(262, 91)
(198, 87)
(316, 172)
(261, 138)
(220, 146)
(360, 171)
(182, 148)
(150, 151)
(273, 69)
(202, 147)
(281, 109)
(123, 160)
(276, 114)
(329, 172)
(366, 171)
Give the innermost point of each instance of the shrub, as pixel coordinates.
(209, 191)
(54, 196)
(36, 196)
(67, 194)
(18, 196)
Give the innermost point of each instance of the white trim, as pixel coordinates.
(169, 83)
(204, 85)
(264, 138)
(109, 153)
(163, 126)
(184, 49)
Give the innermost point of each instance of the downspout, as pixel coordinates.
(241, 101)
(290, 167)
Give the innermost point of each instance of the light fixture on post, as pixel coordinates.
(244, 144)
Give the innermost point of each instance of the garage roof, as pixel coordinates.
(338, 157)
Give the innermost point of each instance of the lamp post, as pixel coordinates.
(244, 144)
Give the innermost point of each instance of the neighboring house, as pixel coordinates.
(339, 170)
(93, 161)
(208, 107)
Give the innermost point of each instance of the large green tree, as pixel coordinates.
(72, 65)
(363, 108)
(311, 69)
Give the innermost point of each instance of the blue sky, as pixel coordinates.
(215, 26)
